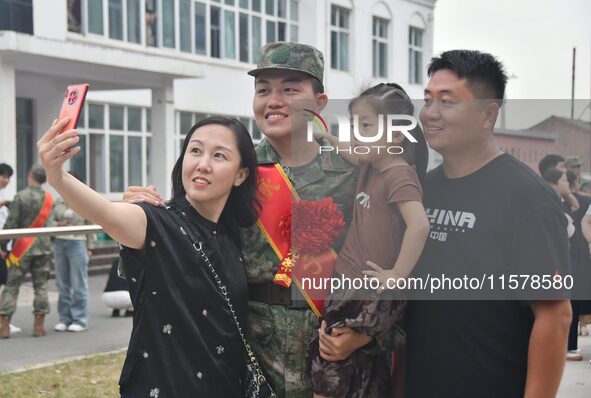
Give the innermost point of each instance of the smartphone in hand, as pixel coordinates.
(72, 105)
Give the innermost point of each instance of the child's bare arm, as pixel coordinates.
(415, 236)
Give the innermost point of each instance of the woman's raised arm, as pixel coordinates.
(124, 222)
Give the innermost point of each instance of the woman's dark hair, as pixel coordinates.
(551, 176)
(390, 98)
(242, 208)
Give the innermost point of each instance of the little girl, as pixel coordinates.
(389, 230)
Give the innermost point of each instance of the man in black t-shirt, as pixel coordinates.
(490, 215)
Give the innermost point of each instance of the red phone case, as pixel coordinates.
(72, 105)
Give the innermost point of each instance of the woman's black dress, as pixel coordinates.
(184, 342)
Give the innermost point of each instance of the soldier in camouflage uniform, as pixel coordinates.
(279, 332)
(23, 210)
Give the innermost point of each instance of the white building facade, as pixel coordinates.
(155, 67)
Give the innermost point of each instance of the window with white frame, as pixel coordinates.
(167, 23)
(74, 16)
(115, 19)
(415, 56)
(114, 142)
(185, 26)
(16, 15)
(239, 28)
(133, 17)
(380, 47)
(186, 120)
(229, 29)
(151, 22)
(339, 38)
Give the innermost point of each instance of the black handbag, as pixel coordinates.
(255, 385)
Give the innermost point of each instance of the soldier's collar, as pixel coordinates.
(329, 161)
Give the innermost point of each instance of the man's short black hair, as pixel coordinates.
(552, 175)
(549, 162)
(484, 73)
(6, 170)
(38, 173)
(317, 86)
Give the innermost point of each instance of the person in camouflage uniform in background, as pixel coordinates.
(24, 209)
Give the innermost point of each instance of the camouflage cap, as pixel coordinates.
(291, 56)
(572, 161)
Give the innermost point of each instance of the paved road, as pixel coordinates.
(108, 334)
(576, 382)
(104, 333)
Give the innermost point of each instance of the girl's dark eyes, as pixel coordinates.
(195, 150)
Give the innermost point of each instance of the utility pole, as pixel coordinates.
(506, 103)
(572, 94)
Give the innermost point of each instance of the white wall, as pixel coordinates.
(47, 96)
(8, 120)
(50, 19)
(128, 97)
(222, 90)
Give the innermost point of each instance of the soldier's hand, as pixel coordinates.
(341, 343)
(55, 147)
(135, 194)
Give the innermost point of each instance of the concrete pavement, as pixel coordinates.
(576, 382)
(109, 334)
(104, 332)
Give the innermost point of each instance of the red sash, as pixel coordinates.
(275, 193)
(23, 245)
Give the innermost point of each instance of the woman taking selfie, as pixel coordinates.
(182, 262)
